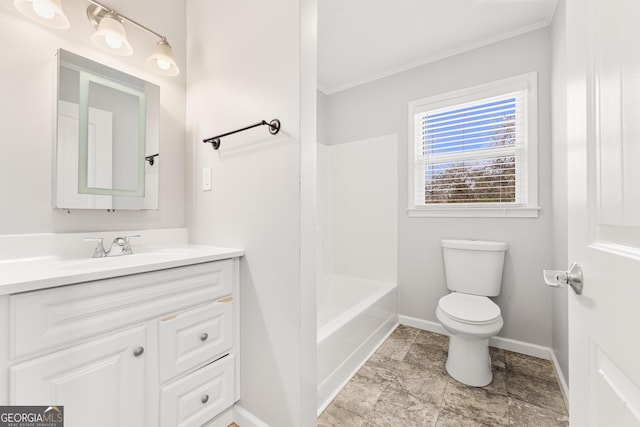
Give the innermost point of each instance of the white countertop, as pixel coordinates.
(27, 274)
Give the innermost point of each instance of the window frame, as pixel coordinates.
(527, 208)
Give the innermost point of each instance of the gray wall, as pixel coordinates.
(559, 303)
(26, 117)
(380, 108)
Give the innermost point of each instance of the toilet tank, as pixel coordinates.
(474, 266)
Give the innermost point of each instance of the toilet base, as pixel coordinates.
(469, 361)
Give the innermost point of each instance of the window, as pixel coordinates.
(474, 151)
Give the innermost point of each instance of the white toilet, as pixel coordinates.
(473, 271)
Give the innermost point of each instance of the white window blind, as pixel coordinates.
(472, 153)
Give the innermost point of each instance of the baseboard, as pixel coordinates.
(564, 387)
(425, 325)
(244, 418)
(498, 342)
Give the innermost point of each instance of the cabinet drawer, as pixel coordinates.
(194, 337)
(196, 398)
(54, 317)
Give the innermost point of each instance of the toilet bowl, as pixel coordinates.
(470, 320)
(473, 270)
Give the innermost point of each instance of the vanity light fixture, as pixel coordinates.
(110, 33)
(46, 12)
(111, 36)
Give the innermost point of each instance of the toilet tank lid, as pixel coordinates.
(474, 245)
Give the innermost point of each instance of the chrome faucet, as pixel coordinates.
(119, 246)
(99, 251)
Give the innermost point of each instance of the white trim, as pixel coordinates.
(522, 347)
(434, 58)
(244, 418)
(425, 325)
(528, 82)
(474, 212)
(516, 346)
(564, 387)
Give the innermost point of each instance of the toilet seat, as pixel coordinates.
(469, 309)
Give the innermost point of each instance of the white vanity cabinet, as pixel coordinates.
(149, 349)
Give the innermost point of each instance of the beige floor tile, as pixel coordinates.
(523, 414)
(431, 338)
(498, 384)
(418, 381)
(447, 418)
(406, 333)
(541, 393)
(532, 366)
(397, 407)
(360, 395)
(427, 356)
(498, 358)
(394, 348)
(476, 404)
(335, 416)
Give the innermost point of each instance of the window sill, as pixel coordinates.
(472, 212)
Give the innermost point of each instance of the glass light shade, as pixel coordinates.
(111, 36)
(46, 12)
(161, 60)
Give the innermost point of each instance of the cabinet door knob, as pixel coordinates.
(137, 352)
(205, 398)
(204, 336)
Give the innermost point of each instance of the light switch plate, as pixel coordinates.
(206, 179)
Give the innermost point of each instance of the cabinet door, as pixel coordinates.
(100, 383)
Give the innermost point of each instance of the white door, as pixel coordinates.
(603, 94)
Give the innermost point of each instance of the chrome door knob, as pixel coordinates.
(558, 279)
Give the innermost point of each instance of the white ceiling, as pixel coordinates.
(363, 40)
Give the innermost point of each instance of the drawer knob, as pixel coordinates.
(205, 398)
(204, 336)
(137, 352)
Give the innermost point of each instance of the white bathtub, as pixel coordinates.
(354, 317)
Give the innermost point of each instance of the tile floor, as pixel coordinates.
(405, 384)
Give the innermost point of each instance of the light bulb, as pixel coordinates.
(43, 11)
(163, 64)
(113, 42)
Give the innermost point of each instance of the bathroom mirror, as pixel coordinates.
(107, 153)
